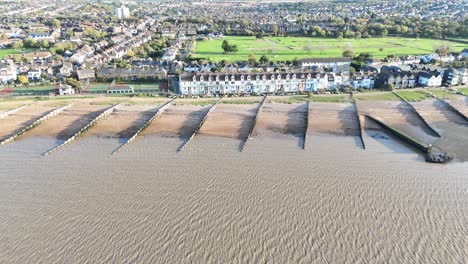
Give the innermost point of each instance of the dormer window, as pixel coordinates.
(232, 78)
(287, 77)
(248, 78)
(264, 77)
(294, 76)
(242, 77)
(226, 78)
(201, 78)
(279, 76)
(217, 77)
(257, 78)
(272, 77)
(194, 78)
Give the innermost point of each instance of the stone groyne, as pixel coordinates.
(195, 132)
(360, 126)
(306, 124)
(158, 113)
(12, 111)
(418, 114)
(254, 122)
(449, 105)
(35, 123)
(93, 122)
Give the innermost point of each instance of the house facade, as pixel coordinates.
(259, 83)
(426, 79)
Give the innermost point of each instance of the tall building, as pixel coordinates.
(122, 12)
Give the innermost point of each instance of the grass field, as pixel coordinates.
(463, 90)
(413, 96)
(442, 93)
(288, 48)
(5, 52)
(383, 96)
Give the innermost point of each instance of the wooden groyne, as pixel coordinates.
(254, 123)
(431, 155)
(195, 132)
(360, 125)
(158, 113)
(35, 123)
(449, 105)
(12, 111)
(418, 114)
(93, 122)
(306, 124)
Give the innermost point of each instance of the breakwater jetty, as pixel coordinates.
(431, 155)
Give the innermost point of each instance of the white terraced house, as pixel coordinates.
(238, 83)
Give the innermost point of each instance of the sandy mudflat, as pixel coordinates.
(333, 118)
(282, 119)
(68, 122)
(178, 120)
(273, 203)
(22, 118)
(230, 120)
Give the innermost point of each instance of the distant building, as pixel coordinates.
(122, 12)
(86, 74)
(120, 89)
(8, 73)
(64, 89)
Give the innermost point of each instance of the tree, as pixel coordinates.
(260, 35)
(73, 83)
(228, 48)
(55, 23)
(3, 36)
(275, 30)
(252, 59)
(348, 54)
(22, 79)
(29, 43)
(44, 44)
(17, 45)
(225, 46)
(130, 54)
(264, 59)
(58, 58)
(308, 47)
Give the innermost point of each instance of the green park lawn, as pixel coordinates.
(5, 52)
(414, 96)
(377, 96)
(288, 48)
(463, 90)
(441, 93)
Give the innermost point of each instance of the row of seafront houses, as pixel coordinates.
(312, 78)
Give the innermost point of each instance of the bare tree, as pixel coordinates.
(308, 47)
